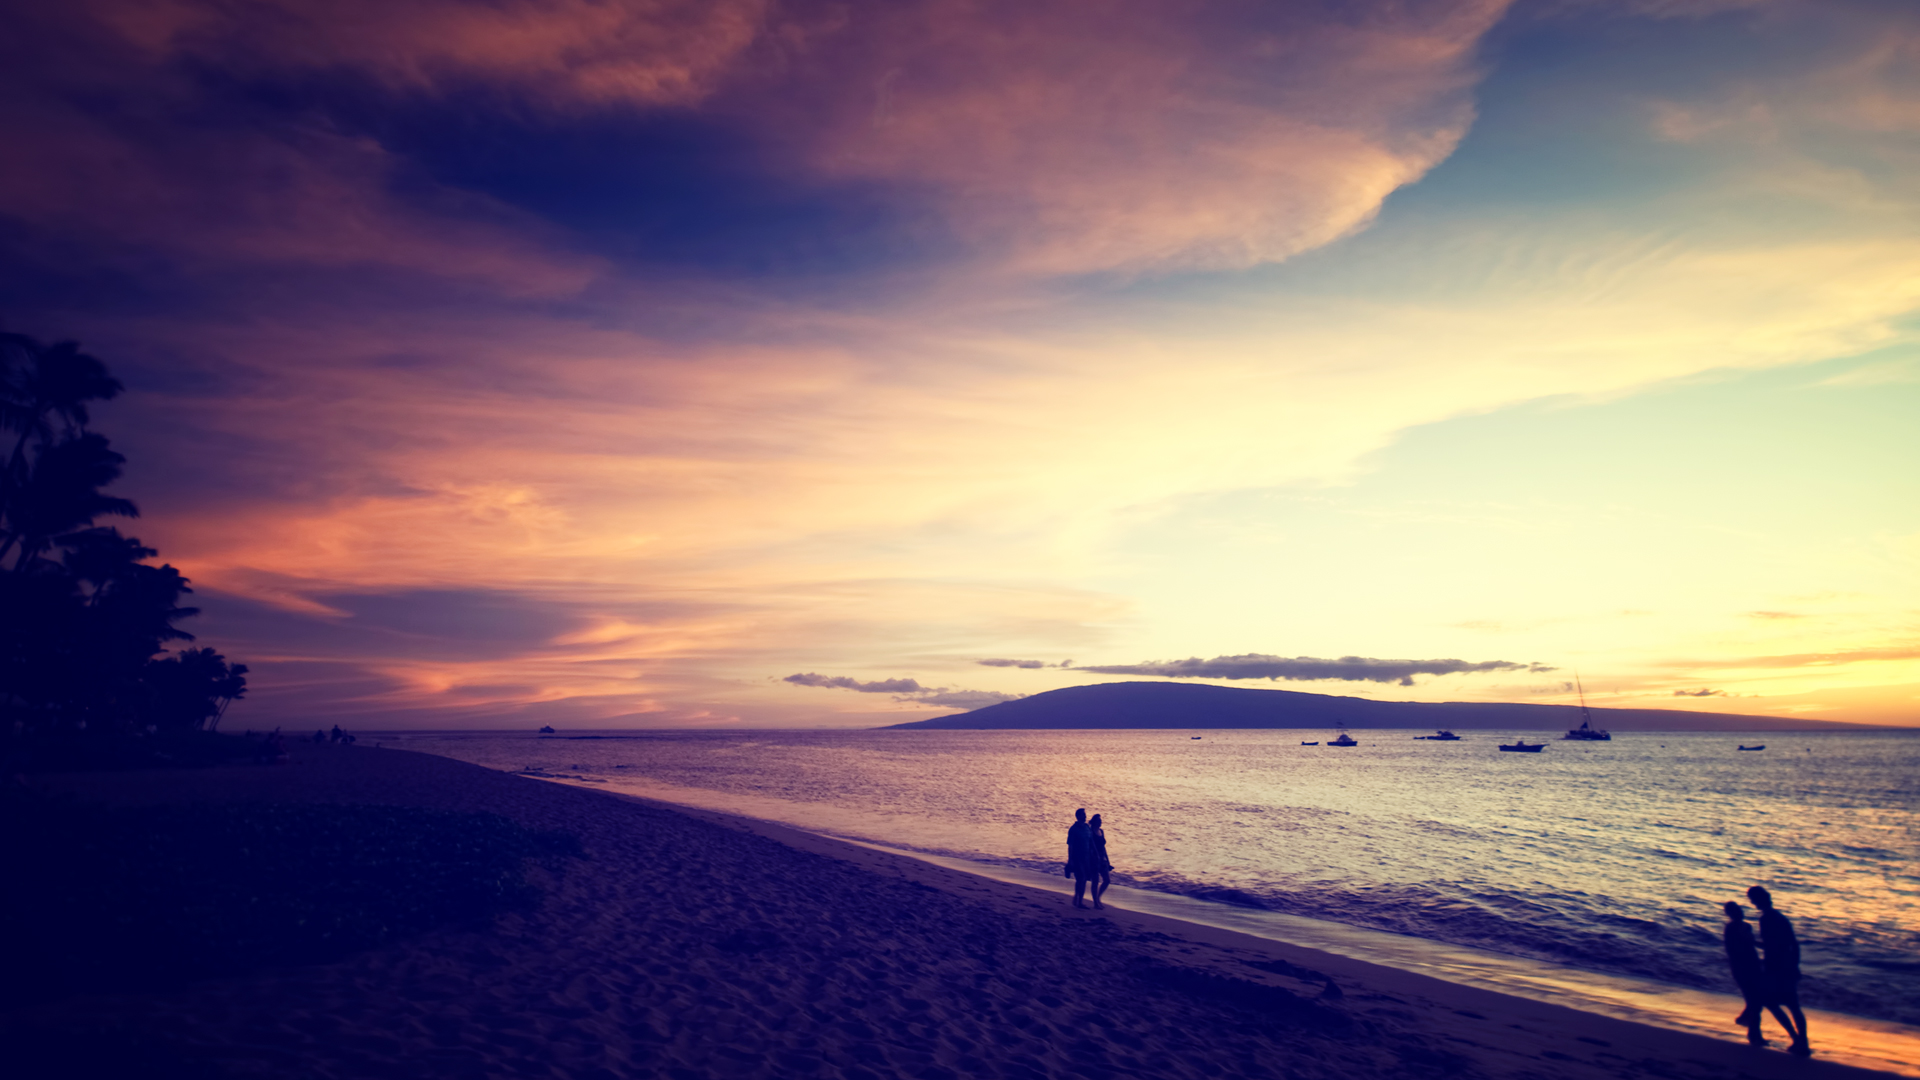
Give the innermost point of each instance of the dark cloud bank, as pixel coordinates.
(1309, 669)
(906, 690)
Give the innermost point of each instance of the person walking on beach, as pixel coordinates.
(1097, 853)
(1782, 966)
(1743, 956)
(1080, 855)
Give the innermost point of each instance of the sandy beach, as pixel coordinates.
(690, 944)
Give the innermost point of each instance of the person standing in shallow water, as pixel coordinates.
(1097, 853)
(1743, 956)
(1782, 966)
(1079, 856)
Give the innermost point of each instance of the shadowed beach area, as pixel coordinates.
(682, 943)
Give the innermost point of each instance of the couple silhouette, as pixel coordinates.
(1771, 984)
(1087, 858)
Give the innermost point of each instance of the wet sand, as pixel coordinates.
(692, 944)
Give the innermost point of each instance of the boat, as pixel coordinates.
(1443, 735)
(1762, 746)
(1586, 732)
(544, 730)
(1521, 746)
(1195, 736)
(1309, 744)
(1344, 740)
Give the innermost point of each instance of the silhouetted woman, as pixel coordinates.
(1097, 853)
(1743, 956)
(1079, 855)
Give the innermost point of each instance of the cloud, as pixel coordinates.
(1700, 693)
(1812, 659)
(842, 682)
(908, 690)
(1045, 139)
(562, 53)
(1775, 615)
(1309, 669)
(968, 699)
(368, 353)
(1027, 664)
(1146, 138)
(175, 173)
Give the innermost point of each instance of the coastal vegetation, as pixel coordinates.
(85, 671)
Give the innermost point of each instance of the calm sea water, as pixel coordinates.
(1611, 857)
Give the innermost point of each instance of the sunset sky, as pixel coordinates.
(734, 362)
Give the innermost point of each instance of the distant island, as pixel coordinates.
(1188, 705)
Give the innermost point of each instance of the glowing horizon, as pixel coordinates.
(606, 364)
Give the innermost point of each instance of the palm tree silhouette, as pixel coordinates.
(42, 383)
(51, 481)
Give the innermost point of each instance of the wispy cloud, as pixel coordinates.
(1836, 658)
(1703, 692)
(1310, 669)
(1029, 665)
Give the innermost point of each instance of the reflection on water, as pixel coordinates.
(1610, 857)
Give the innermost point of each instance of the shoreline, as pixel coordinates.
(1861, 1042)
(692, 942)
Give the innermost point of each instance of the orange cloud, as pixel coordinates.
(1139, 137)
(559, 52)
(1126, 135)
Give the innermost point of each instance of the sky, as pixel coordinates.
(739, 363)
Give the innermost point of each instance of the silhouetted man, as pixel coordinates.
(1783, 967)
(1080, 856)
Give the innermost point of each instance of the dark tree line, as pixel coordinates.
(85, 620)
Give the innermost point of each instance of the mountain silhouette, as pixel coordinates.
(1189, 705)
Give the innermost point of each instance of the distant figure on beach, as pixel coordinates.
(1080, 856)
(1782, 966)
(319, 736)
(272, 749)
(336, 733)
(1743, 957)
(1097, 852)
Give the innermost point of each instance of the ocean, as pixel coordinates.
(1604, 857)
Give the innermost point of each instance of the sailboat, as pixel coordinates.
(1586, 732)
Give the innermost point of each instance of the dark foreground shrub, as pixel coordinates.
(99, 900)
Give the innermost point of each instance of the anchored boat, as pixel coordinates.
(1586, 732)
(1521, 746)
(1443, 735)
